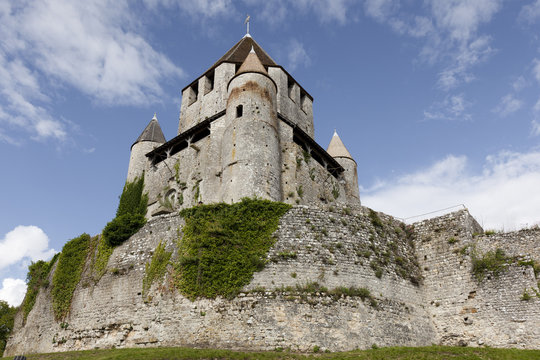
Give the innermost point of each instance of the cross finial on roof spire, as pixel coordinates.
(155, 117)
(247, 23)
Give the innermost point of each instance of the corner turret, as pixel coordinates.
(150, 138)
(338, 151)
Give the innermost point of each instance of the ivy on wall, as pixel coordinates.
(129, 215)
(223, 245)
(37, 277)
(68, 273)
(156, 268)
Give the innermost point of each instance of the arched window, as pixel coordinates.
(239, 111)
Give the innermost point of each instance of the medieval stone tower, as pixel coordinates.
(245, 130)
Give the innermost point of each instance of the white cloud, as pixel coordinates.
(502, 196)
(450, 29)
(530, 13)
(519, 84)
(24, 242)
(277, 11)
(535, 128)
(453, 107)
(93, 47)
(13, 291)
(196, 8)
(380, 10)
(536, 69)
(297, 55)
(509, 104)
(461, 18)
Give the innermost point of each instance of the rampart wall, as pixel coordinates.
(419, 277)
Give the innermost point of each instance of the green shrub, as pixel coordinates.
(223, 245)
(129, 215)
(375, 219)
(122, 228)
(132, 200)
(156, 268)
(7, 316)
(68, 273)
(37, 277)
(492, 261)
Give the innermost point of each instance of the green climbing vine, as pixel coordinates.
(68, 273)
(223, 245)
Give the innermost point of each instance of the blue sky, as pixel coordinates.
(437, 100)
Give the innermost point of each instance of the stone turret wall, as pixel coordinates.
(138, 163)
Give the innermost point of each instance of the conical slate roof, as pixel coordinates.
(337, 148)
(252, 63)
(152, 132)
(239, 52)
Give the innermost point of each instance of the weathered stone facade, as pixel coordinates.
(444, 304)
(246, 129)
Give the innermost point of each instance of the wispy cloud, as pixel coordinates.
(453, 107)
(451, 37)
(327, 11)
(498, 196)
(198, 10)
(93, 47)
(297, 55)
(508, 105)
(530, 13)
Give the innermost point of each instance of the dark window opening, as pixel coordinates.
(210, 78)
(303, 98)
(239, 111)
(194, 93)
(290, 86)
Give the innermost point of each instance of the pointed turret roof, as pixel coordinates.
(252, 63)
(152, 132)
(239, 52)
(337, 148)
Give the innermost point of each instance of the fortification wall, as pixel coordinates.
(420, 276)
(468, 311)
(113, 312)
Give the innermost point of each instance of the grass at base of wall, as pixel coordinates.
(392, 353)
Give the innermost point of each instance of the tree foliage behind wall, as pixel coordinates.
(129, 215)
(7, 316)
